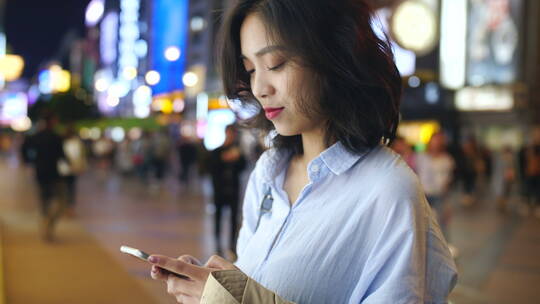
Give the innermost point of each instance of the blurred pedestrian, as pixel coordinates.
(226, 165)
(187, 155)
(49, 154)
(435, 168)
(469, 170)
(141, 155)
(532, 171)
(402, 147)
(103, 150)
(484, 168)
(124, 157)
(160, 150)
(505, 166)
(75, 153)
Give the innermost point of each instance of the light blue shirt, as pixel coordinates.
(360, 231)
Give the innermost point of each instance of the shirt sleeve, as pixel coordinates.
(409, 261)
(234, 287)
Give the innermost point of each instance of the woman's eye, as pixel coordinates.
(250, 72)
(277, 67)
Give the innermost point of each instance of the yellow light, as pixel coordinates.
(84, 133)
(418, 132)
(414, 26)
(129, 73)
(21, 124)
(190, 79)
(61, 80)
(152, 77)
(11, 67)
(55, 68)
(426, 131)
(166, 106)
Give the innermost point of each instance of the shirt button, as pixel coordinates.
(315, 168)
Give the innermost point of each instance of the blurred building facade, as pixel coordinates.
(468, 66)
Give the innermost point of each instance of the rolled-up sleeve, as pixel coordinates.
(234, 287)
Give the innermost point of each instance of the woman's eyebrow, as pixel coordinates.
(265, 50)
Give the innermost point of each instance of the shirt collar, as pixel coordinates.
(337, 158)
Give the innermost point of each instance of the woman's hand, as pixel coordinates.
(186, 290)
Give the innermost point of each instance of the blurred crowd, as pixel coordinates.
(468, 174)
(453, 174)
(59, 156)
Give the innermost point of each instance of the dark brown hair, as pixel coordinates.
(358, 85)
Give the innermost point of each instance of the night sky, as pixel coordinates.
(35, 28)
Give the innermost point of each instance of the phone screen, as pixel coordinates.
(144, 256)
(135, 252)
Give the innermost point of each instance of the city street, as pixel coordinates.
(498, 262)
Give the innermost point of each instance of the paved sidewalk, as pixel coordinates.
(499, 259)
(73, 270)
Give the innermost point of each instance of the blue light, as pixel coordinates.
(170, 25)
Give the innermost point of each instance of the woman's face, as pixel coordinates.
(278, 83)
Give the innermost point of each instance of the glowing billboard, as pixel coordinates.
(169, 30)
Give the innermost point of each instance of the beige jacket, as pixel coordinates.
(234, 287)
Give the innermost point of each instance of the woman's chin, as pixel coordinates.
(285, 132)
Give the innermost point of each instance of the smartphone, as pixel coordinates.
(144, 256)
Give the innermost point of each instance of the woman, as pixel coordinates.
(330, 215)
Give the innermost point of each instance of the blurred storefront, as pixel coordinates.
(491, 91)
(464, 67)
(156, 59)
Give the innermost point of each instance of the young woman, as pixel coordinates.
(331, 215)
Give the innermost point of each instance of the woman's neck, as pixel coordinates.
(313, 145)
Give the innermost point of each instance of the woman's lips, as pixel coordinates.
(272, 113)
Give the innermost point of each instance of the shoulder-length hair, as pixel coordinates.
(358, 87)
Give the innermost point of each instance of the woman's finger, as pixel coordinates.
(158, 274)
(189, 259)
(188, 288)
(218, 262)
(180, 267)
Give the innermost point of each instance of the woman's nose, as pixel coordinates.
(261, 87)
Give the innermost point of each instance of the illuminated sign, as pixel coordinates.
(109, 38)
(492, 45)
(484, 99)
(170, 26)
(452, 44)
(129, 35)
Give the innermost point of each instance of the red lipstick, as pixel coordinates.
(272, 113)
